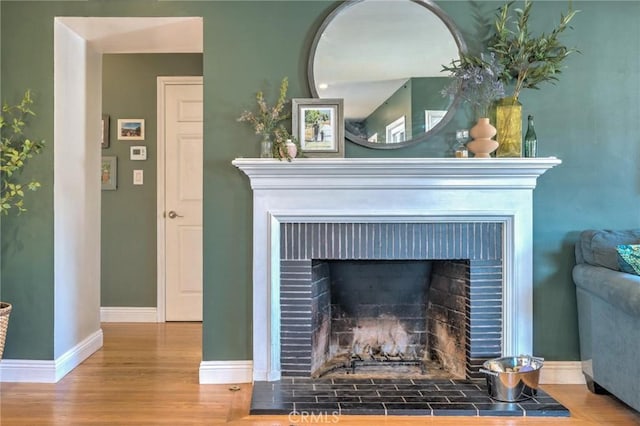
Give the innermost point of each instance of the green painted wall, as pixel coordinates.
(129, 90)
(588, 119)
(396, 106)
(410, 100)
(426, 95)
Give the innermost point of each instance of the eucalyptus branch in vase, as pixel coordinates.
(528, 60)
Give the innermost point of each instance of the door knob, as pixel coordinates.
(173, 215)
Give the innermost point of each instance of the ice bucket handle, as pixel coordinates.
(492, 373)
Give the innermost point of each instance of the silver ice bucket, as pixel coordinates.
(514, 378)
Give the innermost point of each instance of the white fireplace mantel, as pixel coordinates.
(427, 190)
(361, 173)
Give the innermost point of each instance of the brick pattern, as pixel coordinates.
(484, 314)
(296, 317)
(302, 289)
(447, 315)
(478, 241)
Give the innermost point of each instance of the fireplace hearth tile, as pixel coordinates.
(453, 409)
(409, 409)
(392, 397)
(544, 409)
(510, 409)
(363, 408)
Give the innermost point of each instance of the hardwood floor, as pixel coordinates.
(148, 374)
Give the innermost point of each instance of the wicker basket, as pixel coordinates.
(5, 310)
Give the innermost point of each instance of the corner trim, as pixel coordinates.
(37, 371)
(562, 373)
(128, 314)
(223, 372)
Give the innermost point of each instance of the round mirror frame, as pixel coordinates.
(455, 33)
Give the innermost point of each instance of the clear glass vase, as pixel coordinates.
(509, 126)
(266, 147)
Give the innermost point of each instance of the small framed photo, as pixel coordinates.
(109, 173)
(105, 131)
(319, 126)
(130, 129)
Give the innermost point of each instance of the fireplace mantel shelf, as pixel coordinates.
(361, 173)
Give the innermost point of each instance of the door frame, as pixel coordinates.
(162, 83)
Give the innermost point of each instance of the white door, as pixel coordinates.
(183, 201)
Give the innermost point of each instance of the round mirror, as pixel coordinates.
(385, 58)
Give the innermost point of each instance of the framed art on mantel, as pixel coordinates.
(319, 126)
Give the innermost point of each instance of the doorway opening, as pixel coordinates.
(80, 43)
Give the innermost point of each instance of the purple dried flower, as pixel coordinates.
(476, 81)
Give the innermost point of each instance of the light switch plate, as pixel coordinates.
(138, 177)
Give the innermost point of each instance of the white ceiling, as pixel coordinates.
(139, 35)
(366, 56)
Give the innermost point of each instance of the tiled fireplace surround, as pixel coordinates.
(471, 290)
(446, 209)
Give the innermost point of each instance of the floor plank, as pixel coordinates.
(148, 374)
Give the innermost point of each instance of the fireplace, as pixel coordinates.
(376, 318)
(444, 209)
(361, 294)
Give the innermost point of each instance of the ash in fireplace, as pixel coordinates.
(385, 336)
(383, 347)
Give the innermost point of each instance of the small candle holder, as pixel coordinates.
(462, 136)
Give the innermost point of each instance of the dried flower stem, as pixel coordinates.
(267, 119)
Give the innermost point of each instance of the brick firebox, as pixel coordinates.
(462, 298)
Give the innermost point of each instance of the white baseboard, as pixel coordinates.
(211, 372)
(37, 371)
(128, 314)
(562, 373)
(224, 372)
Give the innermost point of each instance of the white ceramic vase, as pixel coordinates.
(292, 149)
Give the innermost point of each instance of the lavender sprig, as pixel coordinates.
(476, 81)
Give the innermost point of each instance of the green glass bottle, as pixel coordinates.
(530, 139)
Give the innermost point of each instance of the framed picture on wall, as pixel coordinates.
(105, 131)
(319, 126)
(130, 129)
(109, 173)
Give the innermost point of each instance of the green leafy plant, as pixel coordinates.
(266, 119)
(528, 61)
(16, 149)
